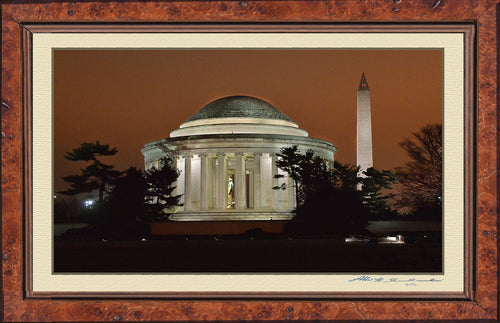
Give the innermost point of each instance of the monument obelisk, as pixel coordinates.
(364, 131)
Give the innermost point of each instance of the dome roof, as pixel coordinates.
(238, 115)
(239, 107)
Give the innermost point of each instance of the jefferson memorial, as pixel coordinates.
(226, 155)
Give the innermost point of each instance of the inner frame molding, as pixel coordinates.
(457, 42)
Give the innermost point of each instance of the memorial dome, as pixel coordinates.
(239, 107)
(238, 115)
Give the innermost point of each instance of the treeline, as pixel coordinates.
(126, 199)
(337, 200)
(331, 200)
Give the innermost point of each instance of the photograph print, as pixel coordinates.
(247, 160)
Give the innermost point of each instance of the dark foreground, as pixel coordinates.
(302, 255)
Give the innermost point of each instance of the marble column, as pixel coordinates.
(257, 202)
(212, 179)
(221, 181)
(330, 165)
(251, 188)
(291, 192)
(203, 182)
(176, 164)
(187, 183)
(240, 182)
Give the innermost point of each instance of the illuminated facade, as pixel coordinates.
(226, 153)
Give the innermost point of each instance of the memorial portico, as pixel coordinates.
(227, 152)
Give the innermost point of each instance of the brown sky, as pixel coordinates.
(127, 98)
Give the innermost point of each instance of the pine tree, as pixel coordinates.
(372, 187)
(159, 200)
(328, 198)
(124, 207)
(97, 175)
(126, 199)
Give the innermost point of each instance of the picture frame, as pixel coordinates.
(229, 284)
(478, 299)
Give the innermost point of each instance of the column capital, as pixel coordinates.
(187, 156)
(238, 154)
(220, 154)
(258, 154)
(203, 155)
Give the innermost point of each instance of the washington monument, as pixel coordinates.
(364, 133)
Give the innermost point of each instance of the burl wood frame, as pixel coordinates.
(479, 300)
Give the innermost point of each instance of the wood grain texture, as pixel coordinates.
(16, 308)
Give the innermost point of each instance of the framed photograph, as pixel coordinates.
(220, 103)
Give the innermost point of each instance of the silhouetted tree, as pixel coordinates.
(290, 160)
(372, 190)
(97, 175)
(364, 203)
(345, 176)
(124, 206)
(159, 196)
(370, 187)
(421, 178)
(127, 196)
(309, 173)
(327, 198)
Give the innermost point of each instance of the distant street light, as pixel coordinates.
(88, 203)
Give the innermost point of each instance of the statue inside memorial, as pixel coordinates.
(230, 194)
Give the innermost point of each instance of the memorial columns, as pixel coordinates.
(240, 182)
(257, 181)
(203, 182)
(221, 181)
(187, 183)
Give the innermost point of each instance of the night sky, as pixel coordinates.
(127, 98)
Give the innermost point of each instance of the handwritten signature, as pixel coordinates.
(408, 282)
